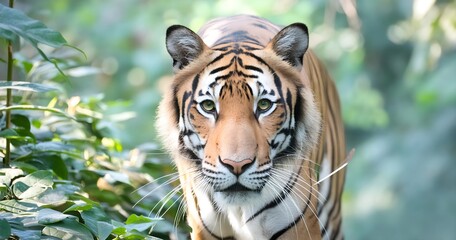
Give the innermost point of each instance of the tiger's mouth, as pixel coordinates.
(237, 187)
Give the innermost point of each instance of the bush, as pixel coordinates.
(63, 173)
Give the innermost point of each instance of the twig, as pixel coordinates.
(9, 77)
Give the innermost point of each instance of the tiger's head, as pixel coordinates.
(238, 118)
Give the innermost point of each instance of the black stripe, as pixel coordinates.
(242, 74)
(278, 84)
(239, 60)
(250, 48)
(286, 131)
(260, 25)
(187, 132)
(290, 149)
(248, 90)
(258, 59)
(222, 49)
(195, 83)
(224, 77)
(280, 198)
(289, 102)
(176, 110)
(186, 95)
(251, 39)
(298, 110)
(192, 93)
(219, 57)
(176, 105)
(222, 67)
(253, 68)
(187, 153)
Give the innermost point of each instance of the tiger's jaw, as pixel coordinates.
(235, 183)
(254, 187)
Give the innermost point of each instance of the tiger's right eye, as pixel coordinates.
(208, 105)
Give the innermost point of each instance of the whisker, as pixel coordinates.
(167, 182)
(346, 162)
(165, 199)
(154, 181)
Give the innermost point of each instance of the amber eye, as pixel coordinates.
(264, 105)
(208, 105)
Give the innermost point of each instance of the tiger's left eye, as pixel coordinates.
(208, 105)
(264, 105)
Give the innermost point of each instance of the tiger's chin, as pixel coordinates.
(236, 194)
(236, 198)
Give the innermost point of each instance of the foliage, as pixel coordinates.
(393, 62)
(68, 178)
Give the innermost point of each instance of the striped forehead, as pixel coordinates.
(232, 69)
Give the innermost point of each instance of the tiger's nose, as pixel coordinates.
(237, 167)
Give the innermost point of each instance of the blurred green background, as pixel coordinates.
(394, 63)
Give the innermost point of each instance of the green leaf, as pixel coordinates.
(9, 133)
(21, 121)
(104, 229)
(53, 146)
(24, 137)
(68, 229)
(27, 234)
(33, 184)
(15, 206)
(25, 86)
(37, 108)
(27, 66)
(87, 200)
(68, 187)
(112, 176)
(5, 229)
(135, 235)
(57, 165)
(140, 219)
(119, 230)
(52, 197)
(139, 223)
(24, 166)
(98, 222)
(79, 206)
(14, 21)
(8, 35)
(48, 216)
(103, 195)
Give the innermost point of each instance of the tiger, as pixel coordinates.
(252, 121)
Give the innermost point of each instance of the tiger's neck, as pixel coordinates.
(293, 207)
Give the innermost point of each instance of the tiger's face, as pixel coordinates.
(238, 109)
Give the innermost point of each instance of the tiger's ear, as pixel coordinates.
(183, 45)
(291, 43)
